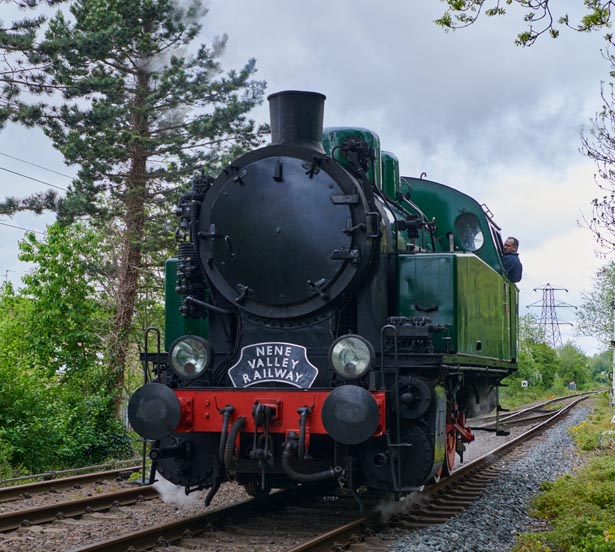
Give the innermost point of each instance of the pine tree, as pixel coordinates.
(16, 39)
(124, 100)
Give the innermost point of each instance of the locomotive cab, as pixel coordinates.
(326, 321)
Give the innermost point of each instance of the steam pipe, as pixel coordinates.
(229, 449)
(289, 449)
(303, 411)
(227, 411)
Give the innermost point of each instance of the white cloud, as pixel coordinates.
(472, 110)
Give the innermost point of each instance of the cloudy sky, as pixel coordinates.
(469, 108)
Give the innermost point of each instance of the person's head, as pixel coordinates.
(511, 245)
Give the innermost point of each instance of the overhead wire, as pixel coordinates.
(21, 228)
(35, 179)
(35, 165)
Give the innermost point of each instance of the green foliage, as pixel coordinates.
(585, 436)
(15, 39)
(67, 319)
(580, 508)
(31, 424)
(545, 356)
(538, 16)
(530, 330)
(548, 371)
(50, 424)
(597, 432)
(574, 365)
(538, 362)
(595, 315)
(56, 408)
(92, 433)
(601, 366)
(6, 453)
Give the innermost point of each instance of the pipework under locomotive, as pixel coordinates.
(327, 321)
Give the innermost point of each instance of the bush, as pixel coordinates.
(6, 452)
(51, 424)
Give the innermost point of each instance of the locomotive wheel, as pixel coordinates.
(451, 450)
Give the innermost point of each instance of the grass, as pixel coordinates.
(514, 397)
(580, 508)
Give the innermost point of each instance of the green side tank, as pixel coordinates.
(462, 287)
(460, 291)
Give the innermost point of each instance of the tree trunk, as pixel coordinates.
(132, 247)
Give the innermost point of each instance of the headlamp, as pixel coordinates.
(351, 356)
(190, 356)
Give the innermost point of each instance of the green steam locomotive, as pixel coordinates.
(328, 322)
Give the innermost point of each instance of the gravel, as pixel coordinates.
(491, 523)
(69, 534)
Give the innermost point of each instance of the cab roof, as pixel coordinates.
(471, 224)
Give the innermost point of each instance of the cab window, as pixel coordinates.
(469, 234)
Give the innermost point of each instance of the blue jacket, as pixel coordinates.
(512, 266)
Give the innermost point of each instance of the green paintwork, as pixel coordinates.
(460, 291)
(390, 175)
(175, 324)
(440, 428)
(445, 205)
(333, 137)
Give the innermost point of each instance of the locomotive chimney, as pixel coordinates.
(296, 118)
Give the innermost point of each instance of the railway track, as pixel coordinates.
(275, 523)
(96, 491)
(527, 415)
(59, 474)
(279, 521)
(16, 492)
(74, 508)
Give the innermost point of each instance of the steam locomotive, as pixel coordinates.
(328, 322)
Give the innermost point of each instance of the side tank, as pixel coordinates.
(462, 292)
(461, 287)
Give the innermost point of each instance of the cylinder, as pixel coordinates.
(297, 118)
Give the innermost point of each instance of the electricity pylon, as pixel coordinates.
(548, 315)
